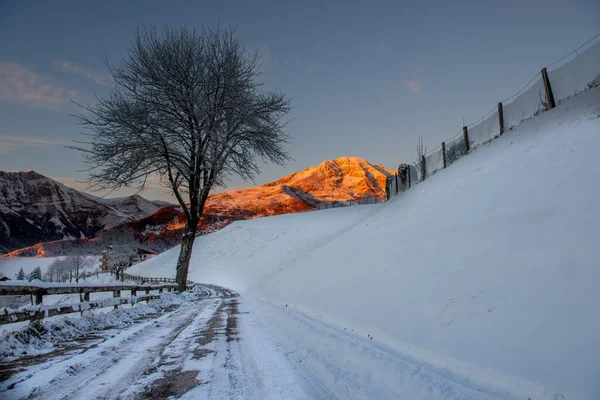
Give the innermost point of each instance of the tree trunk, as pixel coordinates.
(183, 262)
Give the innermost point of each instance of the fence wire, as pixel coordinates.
(434, 161)
(484, 131)
(576, 73)
(568, 76)
(530, 102)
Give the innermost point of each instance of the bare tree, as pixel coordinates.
(420, 161)
(67, 269)
(187, 108)
(78, 265)
(120, 258)
(122, 250)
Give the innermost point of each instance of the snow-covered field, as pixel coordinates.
(481, 282)
(10, 266)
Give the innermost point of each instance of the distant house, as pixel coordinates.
(104, 261)
(143, 254)
(4, 278)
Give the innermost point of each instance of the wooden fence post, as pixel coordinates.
(396, 184)
(39, 299)
(423, 168)
(466, 138)
(549, 94)
(501, 118)
(444, 154)
(84, 298)
(116, 293)
(408, 177)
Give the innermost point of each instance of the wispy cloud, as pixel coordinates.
(10, 143)
(413, 86)
(23, 85)
(81, 70)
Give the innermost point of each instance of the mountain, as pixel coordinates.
(331, 182)
(35, 208)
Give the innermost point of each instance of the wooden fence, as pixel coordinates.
(559, 81)
(144, 280)
(39, 311)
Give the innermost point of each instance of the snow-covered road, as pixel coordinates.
(205, 349)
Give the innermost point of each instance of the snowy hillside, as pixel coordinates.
(481, 282)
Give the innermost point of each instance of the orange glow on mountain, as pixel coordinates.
(343, 179)
(332, 181)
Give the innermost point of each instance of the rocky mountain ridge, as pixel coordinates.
(35, 208)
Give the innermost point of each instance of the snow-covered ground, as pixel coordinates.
(481, 282)
(10, 266)
(194, 352)
(24, 302)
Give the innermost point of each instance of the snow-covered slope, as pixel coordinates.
(35, 208)
(481, 282)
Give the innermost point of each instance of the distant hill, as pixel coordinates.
(333, 181)
(35, 208)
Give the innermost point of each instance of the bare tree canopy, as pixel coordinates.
(187, 108)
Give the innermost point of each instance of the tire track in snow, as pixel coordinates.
(114, 362)
(125, 355)
(372, 368)
(204, 349)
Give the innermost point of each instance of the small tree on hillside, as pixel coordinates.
(420, 161)
(122, 249)
(186, 107)
(35, 274)
(21, 275)
(119, 259)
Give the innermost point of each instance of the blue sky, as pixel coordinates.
(366, 78)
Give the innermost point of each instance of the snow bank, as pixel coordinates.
(484, 276)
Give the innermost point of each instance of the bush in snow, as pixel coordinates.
(454, 152)
(420, 161)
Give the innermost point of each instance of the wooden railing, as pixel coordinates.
(143, 279)
(37, 292)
